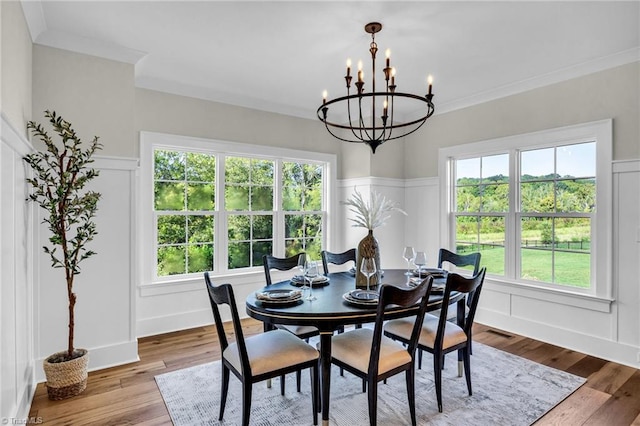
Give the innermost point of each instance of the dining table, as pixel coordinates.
(333, 309)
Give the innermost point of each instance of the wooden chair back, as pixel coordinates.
(392, 295)
(470, 286)
(459, 260)
(223, 295)
(337, 258)
(282, 264)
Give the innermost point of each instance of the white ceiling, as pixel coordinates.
(280, 55)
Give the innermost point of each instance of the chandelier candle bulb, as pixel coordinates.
(388, 55)
(430, 82)
(348, 67)
(393, 76)
(324, 97)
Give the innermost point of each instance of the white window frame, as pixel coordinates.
(151, 141)
(602, 227)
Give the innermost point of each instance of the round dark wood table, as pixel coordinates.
(330, 311)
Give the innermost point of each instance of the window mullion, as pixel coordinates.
(221, 238)
(278, 214)
(513, 224)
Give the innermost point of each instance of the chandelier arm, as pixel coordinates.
(341, 138)
(391, 127)
(353, 129)
(363, 128)
(408, 133)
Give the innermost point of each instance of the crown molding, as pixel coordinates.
(41, 34)
(564, 74)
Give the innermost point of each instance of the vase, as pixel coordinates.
(368, 248)
(66, 378)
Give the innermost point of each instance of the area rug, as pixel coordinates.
(507, 390)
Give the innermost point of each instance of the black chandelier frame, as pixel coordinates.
(374, 133)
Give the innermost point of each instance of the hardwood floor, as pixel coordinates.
(128, 395)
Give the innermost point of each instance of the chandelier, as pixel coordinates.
(366, 124)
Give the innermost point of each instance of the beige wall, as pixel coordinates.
(613, 93)
(96, 95)
(15, 66)
(180, 115)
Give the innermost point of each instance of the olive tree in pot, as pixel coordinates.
(60, 175)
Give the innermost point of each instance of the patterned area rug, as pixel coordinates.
(507, 390)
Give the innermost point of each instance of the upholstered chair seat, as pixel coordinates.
(299, 330)
(271, 351)
(453, 335)
(354, 348)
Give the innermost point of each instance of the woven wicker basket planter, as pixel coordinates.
(68, 378)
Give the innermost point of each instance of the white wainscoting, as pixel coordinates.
(17, 383)
(105, 309)
(391, 236)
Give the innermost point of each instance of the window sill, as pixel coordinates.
(558, 296)
(196, 283)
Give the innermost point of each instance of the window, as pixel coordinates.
(302, 203)
(219, 209)
(184, 202)
(557, 189)
(248, 195)
(536, 206)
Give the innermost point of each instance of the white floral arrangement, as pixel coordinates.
(373, 213)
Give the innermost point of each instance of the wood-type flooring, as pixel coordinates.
(128, 395)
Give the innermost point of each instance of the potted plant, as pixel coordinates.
(370, 215)
(60, 175)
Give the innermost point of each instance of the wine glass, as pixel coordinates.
(368, 269)
(420, 261)
(310, 272)
(302, 260)
(408, 254)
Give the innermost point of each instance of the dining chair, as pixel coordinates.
(258, 357)
(301, 331)
(337, 258)
(440, 336)
(458, 260)
(285, 264)
(373, 357)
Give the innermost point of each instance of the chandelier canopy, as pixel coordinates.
(371, 114)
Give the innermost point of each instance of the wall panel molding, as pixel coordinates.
(16, 277)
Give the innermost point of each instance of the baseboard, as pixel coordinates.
(591, 345)
(170, 323)
(103, 357)
(24, 402)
